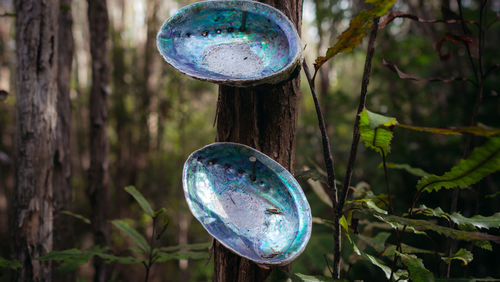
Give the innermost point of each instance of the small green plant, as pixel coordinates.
(8, 264)
(145, 252)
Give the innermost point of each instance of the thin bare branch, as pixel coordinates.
(361, 106)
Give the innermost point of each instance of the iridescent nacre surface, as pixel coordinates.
(248, 202)
(237, 42)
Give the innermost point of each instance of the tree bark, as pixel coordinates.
(63, 233)
(265, 118)
(99, 147)
(36, 42)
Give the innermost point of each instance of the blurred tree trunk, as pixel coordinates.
(99, 147)
(147, 89)
(63, 234)
(265, 118)
(36, 46)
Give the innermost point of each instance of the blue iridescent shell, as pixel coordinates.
(248, 202)
(238, 42)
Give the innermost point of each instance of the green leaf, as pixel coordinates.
(71, 259)
(383, 267)
(193, 247)
(77, 216)
(122, 260)
(491, 196)
(418, 272)
(477, 220)
(488, 279)
(164, 257)
(376, 131)
(377, 242)
(358, 28)
(485, 245)
(474, 130)
(344, 224)
(141, 200)
(391, 250)
(373, 260)
(320, 191)
(298, 277)
(278, 275)
(160, 212)
(138, 239)
(10, 264)
(368, 203)
(71, 265)
(468, 223)
(62, 255)
(419, 224)
(481, 162)
(408, 168)
(462, 255)
(437, 212)
(398, 226)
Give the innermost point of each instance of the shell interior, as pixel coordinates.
(248, 202)
(232, 42)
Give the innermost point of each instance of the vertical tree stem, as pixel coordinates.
(99, 144)
(330, 170)
(362, 102)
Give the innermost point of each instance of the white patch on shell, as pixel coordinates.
(232, 59)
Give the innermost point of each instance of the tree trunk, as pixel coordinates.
(265, 118)
(36, 42)
(63, 234)
(99, 148)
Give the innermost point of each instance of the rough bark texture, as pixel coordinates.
(265, 118)
(36, 44)
(63, 231)
(99, 147)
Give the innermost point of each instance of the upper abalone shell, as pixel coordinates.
(248, 202)
(239, 42)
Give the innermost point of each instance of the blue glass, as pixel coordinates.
(240, 42)
(248, 202)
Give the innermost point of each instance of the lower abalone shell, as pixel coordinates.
(248, 202)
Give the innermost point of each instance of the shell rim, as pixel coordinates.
(272, 162)
(271, 78)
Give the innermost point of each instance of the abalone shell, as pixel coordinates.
(238, 42)
(248, 202)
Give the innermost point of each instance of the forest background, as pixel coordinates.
(157, 117)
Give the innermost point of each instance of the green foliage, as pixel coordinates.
(477, 221)
(462, 255)
(140, 200)
(481, 162)
(73, 258)
(136, 237)
(416, 268)
(390, 251)
(147, 253)
(377, 242)
(278, 276)
(358, 28)
(77, 216)
(9, 264)
(421, 225)
(412, 170)
(192, 247)
(376, 131)
(164, 257)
